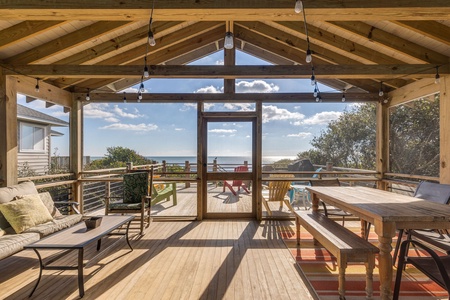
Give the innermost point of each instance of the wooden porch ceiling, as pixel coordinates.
(100, 45)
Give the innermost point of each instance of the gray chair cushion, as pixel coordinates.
(12, 243)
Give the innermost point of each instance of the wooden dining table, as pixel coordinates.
(387, 212)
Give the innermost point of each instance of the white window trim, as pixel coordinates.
(21, 149)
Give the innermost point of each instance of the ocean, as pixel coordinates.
(223, 160)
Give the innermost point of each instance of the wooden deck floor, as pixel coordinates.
(175, 260)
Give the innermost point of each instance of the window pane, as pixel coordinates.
(38, 138)
(27, 137)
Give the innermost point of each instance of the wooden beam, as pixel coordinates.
(47, 92)
(431, 29)
(382, 72)
(76, 150)
(65, 42)
(8, 131)
(25, 30)
(222, 97)
(131, 10)
(444, 129)
(393, 42)
(410, 92)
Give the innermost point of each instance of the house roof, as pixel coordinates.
(357, 46)
(27, 114)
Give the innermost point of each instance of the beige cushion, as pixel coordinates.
(7, 194)
(55, 225)
(25, 213)
(48, 202)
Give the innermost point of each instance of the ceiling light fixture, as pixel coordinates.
(229, 39)
(150, 40)
(437, 78)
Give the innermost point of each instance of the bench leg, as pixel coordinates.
(370, 265)
(342, 265)
(297, 225)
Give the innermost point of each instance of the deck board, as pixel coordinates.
(235, 259)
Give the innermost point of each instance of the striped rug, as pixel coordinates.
(321, 270)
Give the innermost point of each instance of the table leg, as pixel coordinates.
(126, 235)
(385, 232)
(80, 272)
(41, 266)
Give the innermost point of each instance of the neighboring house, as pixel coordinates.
(34, 138)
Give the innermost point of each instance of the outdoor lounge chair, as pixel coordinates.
(136, 197)
(237, 183)
(277, 191)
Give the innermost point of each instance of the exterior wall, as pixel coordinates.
(38, 162)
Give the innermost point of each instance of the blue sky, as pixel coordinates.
(171, 129)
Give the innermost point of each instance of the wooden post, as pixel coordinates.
(164, 167)
(8, 131)
(187, 168)
(76, 150)
(382, 143)
(444, 128)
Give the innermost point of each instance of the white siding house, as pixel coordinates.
(34, 140)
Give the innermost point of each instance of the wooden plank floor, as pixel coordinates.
(239, 259)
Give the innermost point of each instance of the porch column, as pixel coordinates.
(382, 143)
(76, 149)
(8, 131)
(444, 128)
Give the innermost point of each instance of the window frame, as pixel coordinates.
(21, 140)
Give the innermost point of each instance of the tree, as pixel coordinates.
(350, 141)
(118, 157)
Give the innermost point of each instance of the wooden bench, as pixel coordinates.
(342, 243)
(163, 193)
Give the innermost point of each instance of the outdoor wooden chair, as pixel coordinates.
(237, 183)
(136, 197)
(277, 191)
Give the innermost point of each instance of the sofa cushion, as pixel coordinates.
(25, 213)
(7, 194)
(55, 225)
(12, 243)
(48, 202)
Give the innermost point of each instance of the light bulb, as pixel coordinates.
(124, 98)
(151, 39)
(88, 96)
(36, 88)
(139, 97)
(343, 98)
(298, 6)
(308, 56)
(437, 79)
(228, 43)
(146, 74)
(315, 92)
(318, 98)
(313, 80)
(381, 93)
(142, 88)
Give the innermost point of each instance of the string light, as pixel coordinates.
(151, 38)
(381, 93)
(298, 6)
(315, 91)
(88, 96)
(343, 96)
(36, 88)
(437, 78)
(124, 97)
(308, 55)
(146, 74)
(228, 43)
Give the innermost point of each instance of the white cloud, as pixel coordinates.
(222, 130)
(300, 134)
(112, 120)
(129, 90)
(256, 86)
(321, 118)
(209, 90)
(131, 127)
(121, 113)
(239, 106)
(97, 111)
(272, 113)
(179, 129)
(220, 62)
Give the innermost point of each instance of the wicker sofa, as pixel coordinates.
(12, 242)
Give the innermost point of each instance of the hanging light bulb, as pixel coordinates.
(437, 78)
(315, 91)
(141, 86)
(318, 98)
(313, 79)
(308, 56)
(343, 97)
(146, 74)
(228, 43)
(298, 6)
(139, 98)
(124, 97)
(381, 93)
(36, 88)
(88, 95)
(151, 39)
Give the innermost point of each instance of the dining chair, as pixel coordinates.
(434, 192)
